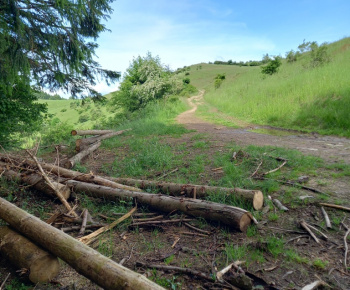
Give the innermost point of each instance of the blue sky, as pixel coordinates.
(184, 32)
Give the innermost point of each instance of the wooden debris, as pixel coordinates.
(92, 237)
(88, 262)
(254, 197)
(335, 206)
(90, 132)
(83, 224)
(36, 181)
(276, 169)
(168, 173)
(82, 144)
(234, 275)
(326, 217)
(279, 205)
(8, 275)
(230, 215)
(23, 253)
(82, 154)
(305, 226)
(196, 229)
(147, 223)
(314, 285)
(346, 246)
(48, 181)
(77, 228)
(187, 271)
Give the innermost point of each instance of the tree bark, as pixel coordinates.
(78, 157)
(23, 253)
(230, 215)
(64, 172)
(88, 262)
(37, 181)
(90, 132)
(253, 197)
(83, 143)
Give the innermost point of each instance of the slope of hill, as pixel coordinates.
(297, 97)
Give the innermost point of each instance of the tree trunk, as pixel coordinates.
(21, 252)
(90, 132)
(37, 181)
(64, 172)
(88, 262)
(253, 197)
(83, 143)
(232, 216)
(77, 158)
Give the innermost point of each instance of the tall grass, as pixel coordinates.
(297, 97)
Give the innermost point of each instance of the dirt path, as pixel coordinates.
(329, 148)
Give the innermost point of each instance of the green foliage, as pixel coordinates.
(219, 79)
(19, 111)
(292, 56)
(56, 132)
(272, 67)
(46, 44)
(146, 80)
(186, 81)
(319, 55)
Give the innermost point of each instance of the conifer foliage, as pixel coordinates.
(50, 43)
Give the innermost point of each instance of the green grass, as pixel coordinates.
(296, 97)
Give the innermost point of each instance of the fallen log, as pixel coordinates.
(64, 172)
(36, 180)
(90, 132)
(85, 260)
(254, 197)
(24, 254)
(233, 216)
(78, 157)
(83, 143)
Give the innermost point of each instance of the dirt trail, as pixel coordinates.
(329, 148)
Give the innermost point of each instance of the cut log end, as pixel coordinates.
(245, 221)
(74, 132)
(258, 200)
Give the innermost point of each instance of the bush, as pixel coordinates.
(186, 81)
(319, 55)
(220, 76)
(292, 56)
(272, 67)
(83, 118)
(217, 83)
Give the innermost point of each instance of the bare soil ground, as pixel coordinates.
(330, 148)
(223, 245)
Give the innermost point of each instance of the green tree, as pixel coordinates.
(48, 43)
(319, 55)
(272, 67)
(145, 80)
(292, 56)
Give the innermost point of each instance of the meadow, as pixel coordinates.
(297, 97)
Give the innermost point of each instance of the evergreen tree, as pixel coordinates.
(49, 43)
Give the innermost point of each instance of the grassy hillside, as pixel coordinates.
(297, 97)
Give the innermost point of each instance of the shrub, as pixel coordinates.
(217, 83)
(319, 55)
(272, 67)
(292, 56)
(186, 81)
(220, 76)
(83, 118)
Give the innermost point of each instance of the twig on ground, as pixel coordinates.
(196, 229)
(335, 206)
(276, 169)
(293, 184)
(346, 246)
(317, 230)
(59, 195)
(193, 234)
(257, 169)
(166, 174)
(160, 222)
(76, 228)
(83, 224)
(177, 269)
(305, 226)
(175, 242)
(3, 283)
(326, 217)
(90, 238)
(296, 238)
(148, 219)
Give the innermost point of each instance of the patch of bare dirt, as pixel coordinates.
(329, 148)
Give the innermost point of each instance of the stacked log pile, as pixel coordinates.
(57, 181)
